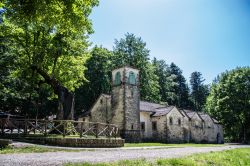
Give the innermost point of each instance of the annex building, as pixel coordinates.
(144, 121)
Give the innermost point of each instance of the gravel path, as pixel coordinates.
(103, 155)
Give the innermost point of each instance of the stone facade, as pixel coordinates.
(125, 99)
(141, 120)
(101, 110)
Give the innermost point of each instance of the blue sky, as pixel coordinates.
(209, 36)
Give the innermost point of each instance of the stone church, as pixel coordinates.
(144, 121)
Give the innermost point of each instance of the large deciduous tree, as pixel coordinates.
(229, 102)
(49, 41)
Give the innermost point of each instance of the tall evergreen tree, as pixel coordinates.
(199, 91)
(165, 80)
(132, 51)
(180, 87)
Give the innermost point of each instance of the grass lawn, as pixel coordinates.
(171, 145)
(236, 157)
(32, 149)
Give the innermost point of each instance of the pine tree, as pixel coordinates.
(199, 91)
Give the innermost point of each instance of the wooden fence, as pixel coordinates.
(60, 127)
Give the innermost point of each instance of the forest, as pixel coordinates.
(49, 66)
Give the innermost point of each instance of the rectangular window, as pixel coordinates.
(142, 126)
(179, 122)
(154, 126)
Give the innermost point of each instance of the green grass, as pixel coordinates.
(32, 149)
(236, 157)
(170, 145)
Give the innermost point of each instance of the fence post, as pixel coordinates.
(96, 130)
(35, 127)
(64, 128)
(81, 129)
(18, 130)
(116, 131)
(45, 127)
(25, 126)
(108, 134)
(2, 126)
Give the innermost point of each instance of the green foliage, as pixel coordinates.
(4, 143)
(179, 88)
(165, 80)
(132, 51)
(51, 35)
(229, 102)
(99, 67)
(226, 158)
(199, 91)
(173, 86)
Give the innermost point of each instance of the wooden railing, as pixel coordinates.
(60, 127)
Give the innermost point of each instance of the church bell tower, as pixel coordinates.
(125, 102)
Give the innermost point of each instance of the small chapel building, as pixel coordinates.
(145, 121)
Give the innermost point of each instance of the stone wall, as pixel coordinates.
(209, 133)
(219, 133)
(76, 142)
(186, 130)
(145, 118)
(131, 108)
(117, 106)
(159, 134)
(195, 127)
(125, 103)
(101, 110)
(175, 132)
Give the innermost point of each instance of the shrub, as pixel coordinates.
(4, 143)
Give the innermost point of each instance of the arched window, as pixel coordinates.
(131, 78)
(118, 78)
(170, 120)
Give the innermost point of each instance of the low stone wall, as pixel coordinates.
(81, 142)
(72, 142)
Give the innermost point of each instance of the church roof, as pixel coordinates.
(203, 115)
(149, 107)
(162, 111)
(189, 113)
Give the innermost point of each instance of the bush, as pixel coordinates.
(4, 143)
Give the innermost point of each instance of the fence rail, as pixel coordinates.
(60, 127)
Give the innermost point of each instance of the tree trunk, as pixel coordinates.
(66, 99)
(66, 103)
